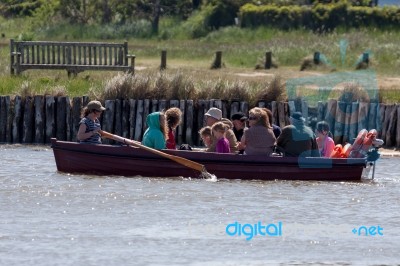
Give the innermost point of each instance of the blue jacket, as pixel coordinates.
(153, 137)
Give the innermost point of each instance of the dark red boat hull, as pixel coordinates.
(129, 161)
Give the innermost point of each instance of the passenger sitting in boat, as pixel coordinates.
(213, 116)
(324, 139)
(206, 136)
(173, 116)
(157, 132)
(276, 129)
(239, 124)
(219, 130)
(297, 139)
(259, 139)
(89, 125)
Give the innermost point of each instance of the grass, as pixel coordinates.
(189, 61)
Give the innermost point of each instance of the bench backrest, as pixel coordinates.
(70, 53)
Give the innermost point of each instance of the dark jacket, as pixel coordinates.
(298, 140)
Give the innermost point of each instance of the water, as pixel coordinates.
(51, 218)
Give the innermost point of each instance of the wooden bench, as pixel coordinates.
(74, 57)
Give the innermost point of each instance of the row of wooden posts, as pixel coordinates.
(39, 118)
(217, 63)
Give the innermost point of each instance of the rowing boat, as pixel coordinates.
(123, 160)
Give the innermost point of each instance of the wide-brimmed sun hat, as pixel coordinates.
(214, 112)
(95, 105)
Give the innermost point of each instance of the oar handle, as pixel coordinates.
(183, 161)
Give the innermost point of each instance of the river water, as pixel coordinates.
(52, 218)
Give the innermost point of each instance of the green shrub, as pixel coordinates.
(320, 17)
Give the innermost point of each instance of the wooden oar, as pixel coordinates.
(180, 160)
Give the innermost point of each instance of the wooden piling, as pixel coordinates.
(292, 107)
(268, 60)
(316, 58)
(146, 112)
(391, 127)
(154, 105)
(162, 105)
(244, 107)
(50, 111)
(321, 110)
(28, 122)
(330, 115)
(363, 115)
(385, 123)
(353, 128)
(339, 123)
(10, 115)
(118, 117)
(125, 125)
(17, 120)
(4, 113)
(274, 110)
(304, 111)
(398, 127)
(372, 116)
(234, 108)
(132, 118)
(163, 65)
(68, 119)
(108, 119)
(189, 121)
(281, 114)
(139, 120)
(347, 122)
(76, 116)
(180, 139)
(217, 60)
(380, 120)
(61, 115)
(39, 101)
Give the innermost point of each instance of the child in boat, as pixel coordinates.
(219, 130)
(214, 115)
(206, 136)
(173, 116)
(259, 139)
(324, 139)
(156, 134)
(89, 126)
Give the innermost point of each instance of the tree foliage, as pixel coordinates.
(15, 8)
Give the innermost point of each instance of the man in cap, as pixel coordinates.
(213, 116)
(239, 124)
(297, 139)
